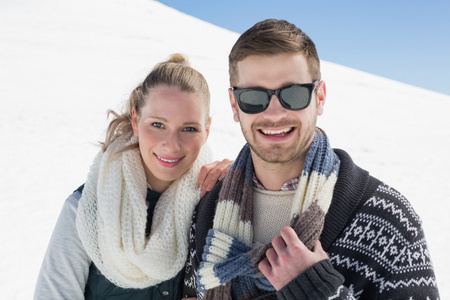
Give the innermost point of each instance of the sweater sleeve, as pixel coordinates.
(65, 268)
(320, 281)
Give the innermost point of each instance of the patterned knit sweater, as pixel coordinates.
(373, 237)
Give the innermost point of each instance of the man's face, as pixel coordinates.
(277, 135)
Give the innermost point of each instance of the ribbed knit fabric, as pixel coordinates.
(273, 206)
(306, 285)
(112, 216)
(228, 257)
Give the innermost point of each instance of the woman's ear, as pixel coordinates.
(134, 121)
(321, 97)
(233, 105)
(208, 127)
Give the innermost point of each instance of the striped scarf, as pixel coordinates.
(229, 267)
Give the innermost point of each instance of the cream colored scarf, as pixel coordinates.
(112, 216)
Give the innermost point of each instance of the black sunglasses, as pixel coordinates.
(256, 100)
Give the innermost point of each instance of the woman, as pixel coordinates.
(124, 233)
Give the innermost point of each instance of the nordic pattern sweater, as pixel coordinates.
(374, 240)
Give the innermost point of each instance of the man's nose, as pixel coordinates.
(275, 109)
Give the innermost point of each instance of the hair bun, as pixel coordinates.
(178, 58)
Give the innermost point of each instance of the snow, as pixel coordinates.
(63, 64)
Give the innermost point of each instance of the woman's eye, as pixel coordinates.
(157, 124)
(190, 129)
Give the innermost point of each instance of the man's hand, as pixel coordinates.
(211, 173)
(288, 258)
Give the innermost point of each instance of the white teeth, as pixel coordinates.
(168, 160)
(274, 132)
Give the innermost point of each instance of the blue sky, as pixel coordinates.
(408, 41)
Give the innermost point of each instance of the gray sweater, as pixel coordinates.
(64, 271)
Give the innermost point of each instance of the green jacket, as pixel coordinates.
(99, 287)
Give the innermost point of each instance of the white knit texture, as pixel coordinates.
(312, 187)
(112, 216)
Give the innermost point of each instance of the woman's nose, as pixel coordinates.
(172, 144)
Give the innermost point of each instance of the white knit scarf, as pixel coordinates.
(112, 216)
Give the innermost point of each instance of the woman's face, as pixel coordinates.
(172, 128)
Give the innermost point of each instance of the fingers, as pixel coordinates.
(265, 268)
(286, 245)
(208, 176)
(204, 172)
(224, 165)
(289, 236)
(278, 244)
(211, 173)
(319, 250)
(288, 258)
(272, 256)
(317, 246)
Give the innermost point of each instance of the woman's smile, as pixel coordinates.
(168, 162)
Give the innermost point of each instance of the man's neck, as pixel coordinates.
(273, 176)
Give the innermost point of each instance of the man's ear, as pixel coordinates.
(321, 97)
(134, 121)
(233, 105)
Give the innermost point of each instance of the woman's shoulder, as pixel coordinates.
(69, 209)
(73, 198)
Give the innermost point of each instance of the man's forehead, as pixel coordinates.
(269, 71)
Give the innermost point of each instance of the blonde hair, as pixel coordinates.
(175, 72)
(272, 37)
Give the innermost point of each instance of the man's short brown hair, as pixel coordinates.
(272, 37)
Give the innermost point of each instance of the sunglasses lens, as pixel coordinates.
(295, 97)
(253, 101)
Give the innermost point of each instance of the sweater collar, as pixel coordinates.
(353, 187)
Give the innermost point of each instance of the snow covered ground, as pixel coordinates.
(64, 63)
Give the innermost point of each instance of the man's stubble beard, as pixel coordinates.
(279, 154)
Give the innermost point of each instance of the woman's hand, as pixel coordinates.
(211, 173)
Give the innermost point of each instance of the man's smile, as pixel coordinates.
(277, 132)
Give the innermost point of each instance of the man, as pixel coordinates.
(294, 218)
